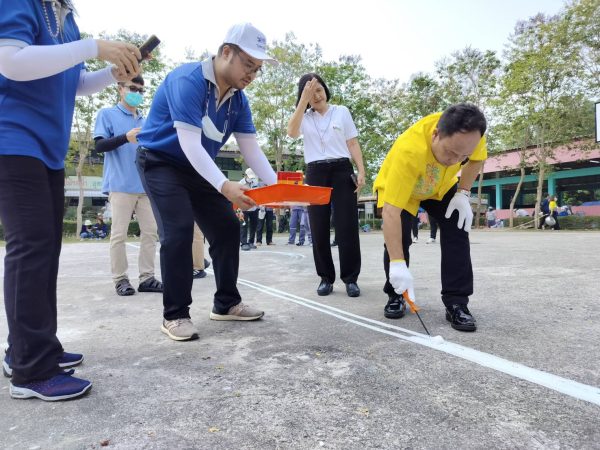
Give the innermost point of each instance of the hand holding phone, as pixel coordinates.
(147, 47)
(354, 179)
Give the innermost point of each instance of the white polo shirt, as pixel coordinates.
(325, 136)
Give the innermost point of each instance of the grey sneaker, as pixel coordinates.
(238, 312)
(179, 329)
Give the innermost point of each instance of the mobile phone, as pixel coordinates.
(147, 47)
(354, 179)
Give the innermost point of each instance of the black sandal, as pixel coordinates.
(150, 285)
(124, 288)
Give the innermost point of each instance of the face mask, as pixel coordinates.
(210, 130)
(134, 99)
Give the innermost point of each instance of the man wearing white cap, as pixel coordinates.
(194, 112)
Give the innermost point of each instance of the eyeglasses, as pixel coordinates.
(135, 89)
(249, 68)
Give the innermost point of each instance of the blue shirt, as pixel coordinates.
(120, 171)
(185, 96)
(36, 116)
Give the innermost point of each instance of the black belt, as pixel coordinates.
(327, 161)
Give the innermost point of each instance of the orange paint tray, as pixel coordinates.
(283, 195)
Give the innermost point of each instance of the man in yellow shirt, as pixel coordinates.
(420, 170)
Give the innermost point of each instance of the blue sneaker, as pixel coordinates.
(62, 386)
(66, 361)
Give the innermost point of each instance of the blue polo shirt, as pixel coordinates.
(183, 97)
(36, 116)
(120, 171)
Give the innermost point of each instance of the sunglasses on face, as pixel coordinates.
(132, 88)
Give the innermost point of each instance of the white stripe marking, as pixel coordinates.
(563, 385)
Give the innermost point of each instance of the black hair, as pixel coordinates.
(305, 79)
(235, 48)
(137, 80)
(461, 118)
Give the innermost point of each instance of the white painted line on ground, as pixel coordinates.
(565, 386)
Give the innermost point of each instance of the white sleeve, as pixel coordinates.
(40, 61)
(255, 158)
(92, 82)
(350, 130)
(191, 144)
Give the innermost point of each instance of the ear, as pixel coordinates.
(435, 135)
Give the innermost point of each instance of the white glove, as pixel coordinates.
(460, 203)
(401, 279)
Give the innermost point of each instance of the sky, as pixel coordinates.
(395, 38)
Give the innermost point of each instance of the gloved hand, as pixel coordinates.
(401, 278)
(460, 203)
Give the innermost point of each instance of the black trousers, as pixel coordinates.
(251, 218)
(31, 194)
(335, 175)
(267, 223)
(179, 196)
(457, 272)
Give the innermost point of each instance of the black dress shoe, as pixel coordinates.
(460, 318)
(352, 290)
(395, 308)
(325, 288)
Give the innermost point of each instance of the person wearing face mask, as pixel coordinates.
(195, 110)
(330, 146)
(42, 70)
(420, 170)
(115, 135)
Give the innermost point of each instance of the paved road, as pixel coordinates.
(332, 372)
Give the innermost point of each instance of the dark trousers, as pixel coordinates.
(457, 272)
(335, 175)
(434, 227)
(179, 196)
(251, 219)
(415, 226)
(267, 223)
(31, 194)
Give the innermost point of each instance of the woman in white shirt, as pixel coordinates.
(330, 144)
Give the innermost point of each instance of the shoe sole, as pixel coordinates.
(229, 317)
(7, 370)
(394, 315)
(178, 338)
(150, 290)
(323, 294)
(24, 393)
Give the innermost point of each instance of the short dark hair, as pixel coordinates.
(305, 79)
(137, 80)
(461, 118)
(235, 48)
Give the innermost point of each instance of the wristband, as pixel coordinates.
(397, 260)
(464, 192)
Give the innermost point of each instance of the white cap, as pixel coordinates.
(88, 222)
(251, 40)
(250, 173)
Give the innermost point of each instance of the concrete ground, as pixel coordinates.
(332, 372)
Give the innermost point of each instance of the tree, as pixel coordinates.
(471, 75)
(273, 95)
(541, 80)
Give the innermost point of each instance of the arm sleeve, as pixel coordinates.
(255, 158)
(33, 62)
(191, 144)
(350, 130)
(92, 82)
(480, 152)
(104, 145)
